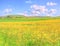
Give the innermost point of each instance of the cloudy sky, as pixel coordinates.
(30, 7)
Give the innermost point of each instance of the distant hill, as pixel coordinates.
(18, 18)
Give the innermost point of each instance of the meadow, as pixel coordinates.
(30, 32)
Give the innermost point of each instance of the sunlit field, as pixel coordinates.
(30, 33)
(29, 22)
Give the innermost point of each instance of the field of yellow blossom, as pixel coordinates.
(32, 33)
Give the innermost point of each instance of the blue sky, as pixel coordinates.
(30, 7)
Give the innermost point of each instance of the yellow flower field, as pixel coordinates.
(34, 33)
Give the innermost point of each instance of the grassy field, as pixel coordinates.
(24, 19)
(30, 33)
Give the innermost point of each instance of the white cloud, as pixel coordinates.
(43, 9)
(8, 10)
(28, 1)
(35, 13)
(53, 11)
(35, 7)
(51, 3)
(38, 9)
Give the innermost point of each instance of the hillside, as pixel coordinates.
(19, 18)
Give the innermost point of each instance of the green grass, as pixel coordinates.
(21, 19)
